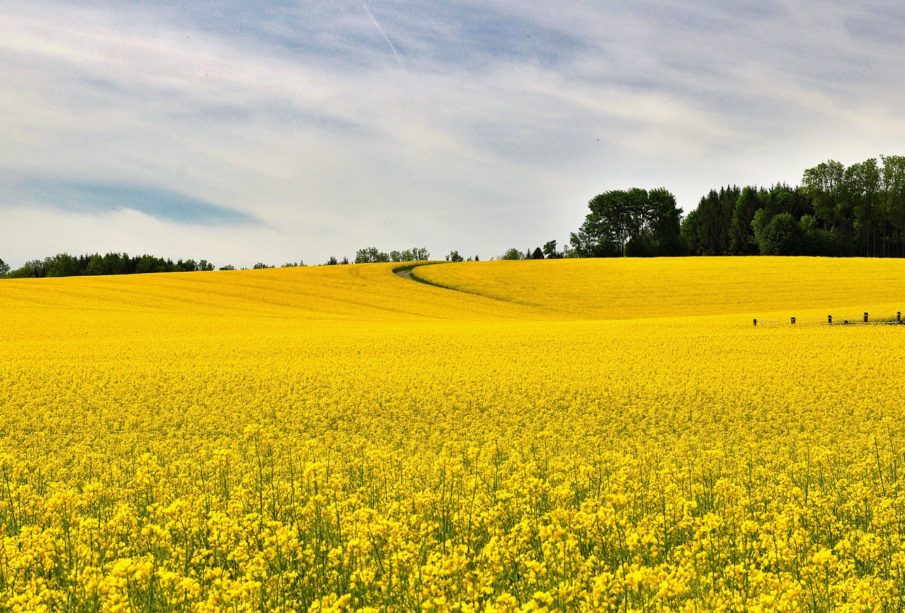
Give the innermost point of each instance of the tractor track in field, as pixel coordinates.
(406, 272)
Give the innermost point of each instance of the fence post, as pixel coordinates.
(898, 317)
(755, 323)
(829, 319)
(793, 321)
(865, 316)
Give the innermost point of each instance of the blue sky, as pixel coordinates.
(276, 131)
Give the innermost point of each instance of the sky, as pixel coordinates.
(273, 131)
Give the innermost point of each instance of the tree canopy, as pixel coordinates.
(512, 254)
(857, 210)
(373, 254)
(630, 222)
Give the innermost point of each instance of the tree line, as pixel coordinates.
(370, 255)
(66, 265)
(548, 251)
(857, 210)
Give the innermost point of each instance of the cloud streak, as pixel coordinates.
(384, 35)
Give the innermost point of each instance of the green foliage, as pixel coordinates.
(633, 222)
(4, 268)
(537, 254)
(513, 254)
(660, 230)
(814, 239)
(371, 255)
(454, 257)
(66, 265)
(741, 233)
(708, 231)
(758, 224)
(780, 236)
(689, 233)
(837, 210)
(550, 252)
(410, 255)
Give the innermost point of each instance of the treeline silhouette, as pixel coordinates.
(857, 210)
(371, 255)
(65, 265)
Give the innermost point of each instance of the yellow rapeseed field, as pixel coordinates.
(591, 434)
(669, 287)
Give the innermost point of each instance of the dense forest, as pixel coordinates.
(841, 211)
(857, 210)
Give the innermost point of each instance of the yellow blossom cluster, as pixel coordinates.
(342, 438)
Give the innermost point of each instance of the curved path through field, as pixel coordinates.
(642, 288)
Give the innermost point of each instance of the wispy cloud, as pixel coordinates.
(108, 198)
(472, 126)
(383, 34)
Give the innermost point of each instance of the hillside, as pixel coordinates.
(304, 437)
(674, 287)
(596, 289)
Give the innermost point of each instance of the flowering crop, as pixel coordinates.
(667, 287)
(343, 438)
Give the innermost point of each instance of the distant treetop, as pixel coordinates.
(373, 254)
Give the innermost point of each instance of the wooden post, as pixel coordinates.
(829, 319)
(898, 317)
(793, 321)
(865, 316)
(755, 323)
